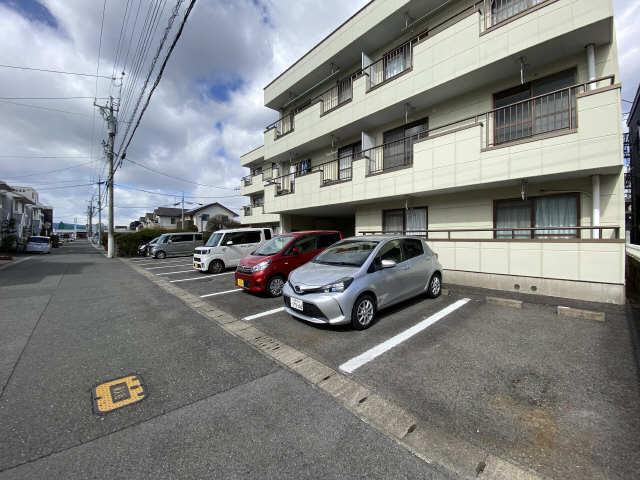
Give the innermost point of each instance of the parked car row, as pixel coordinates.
(322, 277)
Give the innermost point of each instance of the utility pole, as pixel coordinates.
(99, 214)
(90, 226)
(183, 229)
(107, 113)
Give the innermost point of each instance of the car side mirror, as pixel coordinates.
(388, 264)
(169, 241)
(230, 242)
(295, 251)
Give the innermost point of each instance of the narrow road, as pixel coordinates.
(215, 408)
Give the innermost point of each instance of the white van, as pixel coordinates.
(225, 248)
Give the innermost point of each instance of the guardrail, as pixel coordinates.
(509, 233)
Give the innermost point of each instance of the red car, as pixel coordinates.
(267, 269)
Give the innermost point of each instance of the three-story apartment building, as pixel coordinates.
(491, 127)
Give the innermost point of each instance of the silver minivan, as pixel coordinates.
(354, 278)
(176, 244)
(225, 248)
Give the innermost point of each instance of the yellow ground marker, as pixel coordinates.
(118, 393)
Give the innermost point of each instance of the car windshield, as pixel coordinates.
(163, 239)
(273, 246)
(155, 240)
(38, 240)
(352, 253)
(214, 240)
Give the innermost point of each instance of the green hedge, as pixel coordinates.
(127, 243)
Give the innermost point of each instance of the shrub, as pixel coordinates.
(55, 241)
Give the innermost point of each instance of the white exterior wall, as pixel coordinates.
(448, 56)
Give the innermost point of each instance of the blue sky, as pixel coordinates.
(207, 111)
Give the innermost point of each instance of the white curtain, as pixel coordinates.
(512, 214)
(417, 221)
(560, 211)
(394, 221)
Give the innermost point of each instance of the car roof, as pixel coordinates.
(310, 232)
(379, 238)
(178, 233)
(243, 229)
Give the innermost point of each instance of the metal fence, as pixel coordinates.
(390, 65)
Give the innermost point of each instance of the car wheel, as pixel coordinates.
(275, 286)
(435, 286)
(216, 266)
(161, 255)
(364, 312)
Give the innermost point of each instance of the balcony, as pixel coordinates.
(434, 66)
(565, 131)
(254, 214)
(254, 183)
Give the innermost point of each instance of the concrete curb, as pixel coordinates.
(582, 314)
(504, 302)
(427, 442)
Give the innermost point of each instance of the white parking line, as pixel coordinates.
(203, 277)
(221, 293)
(179, 271)
(378, 350)
(264, 314)
(169, 266)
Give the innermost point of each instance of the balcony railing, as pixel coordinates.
(562, 233)
(390, 65)
(337, 95)
(246, 181)
(285, 184)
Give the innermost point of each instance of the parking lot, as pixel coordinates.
(555, 394)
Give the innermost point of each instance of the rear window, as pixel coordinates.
(38, 240)
(327, 239)
(412, 248)
(267, 234)
(198, 236)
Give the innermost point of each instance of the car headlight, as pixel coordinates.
(261, 266)
(339, 286)
(202, 251)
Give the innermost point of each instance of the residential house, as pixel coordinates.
(166, 217)
(491, 128)
(201, 215)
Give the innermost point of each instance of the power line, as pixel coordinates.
(45, 108)
(67, 186)
(44, 156)
(158, 78)
(174, 14)
(56, 71)
(176, 178)
(128, 187)
(49, 98)
(52, 171)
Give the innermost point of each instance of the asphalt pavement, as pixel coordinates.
(215, 408)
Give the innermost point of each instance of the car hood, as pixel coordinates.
(316, 275)
(251, 260)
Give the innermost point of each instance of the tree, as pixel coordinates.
(61, 225)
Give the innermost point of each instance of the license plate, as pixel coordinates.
(296, 303)
(240, 282)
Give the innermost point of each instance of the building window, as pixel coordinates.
(504, 9)
(409, 222)
(302, 167)
(173, 220)
(398, 144)
(552, 109)
(346, 155)
(539, 212)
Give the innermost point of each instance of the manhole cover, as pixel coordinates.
(118, 393)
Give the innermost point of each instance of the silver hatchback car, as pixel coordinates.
(354, 278)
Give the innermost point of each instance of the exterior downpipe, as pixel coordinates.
(595, 220)
(591, 65)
